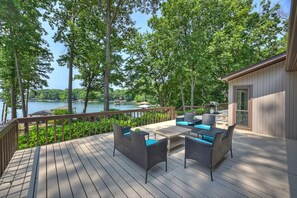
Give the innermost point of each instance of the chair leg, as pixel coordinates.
(185, 162)
(231, 152)
(146, 176)
(113, 151)
(211, 173)
(166, 166)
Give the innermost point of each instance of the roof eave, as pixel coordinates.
(254, 67)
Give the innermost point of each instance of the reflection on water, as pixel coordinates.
(92, 107)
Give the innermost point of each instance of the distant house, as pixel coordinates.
(263, 97)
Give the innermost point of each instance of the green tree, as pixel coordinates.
(63, 18)
(28, 57)
(193, 43)
(90, 62)
(116, 15)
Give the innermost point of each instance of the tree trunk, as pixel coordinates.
(22, 91)
(20, 80)
(5, 114)
(182, 95)
(2, 113)
(87, 97)
(70, 74)
(193, 83)
(27, 99)
(13, 93)
(70, 63)
(108, 56)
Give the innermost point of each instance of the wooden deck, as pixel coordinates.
(261, 167)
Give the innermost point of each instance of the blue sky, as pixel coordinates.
(59, 77)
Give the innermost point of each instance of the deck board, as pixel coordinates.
(141, 191)
(110, 183)
(81, 171)
(179, 165)
(74, 180)
(96, 178)
(261, 167)
(134, 174)
(51, 172)
(156, 182)
(63, 180)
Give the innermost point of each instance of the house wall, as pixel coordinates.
(291, 105)
(268, 99)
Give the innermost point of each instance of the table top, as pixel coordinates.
(211, 132)
(171, 131)
(144, 133)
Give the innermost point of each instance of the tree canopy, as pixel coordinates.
(191, 44)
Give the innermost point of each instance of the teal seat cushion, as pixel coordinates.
(127, 134)
(208, 138)
(150, 142)
(203, 141)
(184, 123)
(202, 126)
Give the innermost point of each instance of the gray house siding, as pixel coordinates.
(267, 99)
(291, 105)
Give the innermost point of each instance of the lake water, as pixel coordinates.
(92, 107)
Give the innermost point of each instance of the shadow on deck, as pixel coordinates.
(261, 167)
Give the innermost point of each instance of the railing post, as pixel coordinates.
(173, 115)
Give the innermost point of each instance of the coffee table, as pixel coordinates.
(212, 132)
(172, 133)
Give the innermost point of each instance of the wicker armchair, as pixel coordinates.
(145, 153)
(209, 153)
(208, 120)
(187, 120)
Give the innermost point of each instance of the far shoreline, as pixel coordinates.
(81, 101)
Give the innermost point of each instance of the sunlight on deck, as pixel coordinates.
(261, 167)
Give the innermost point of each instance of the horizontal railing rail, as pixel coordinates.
(206, 107)
(8, 143)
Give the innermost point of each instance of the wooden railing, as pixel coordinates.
(51, 129)
(8, 143)
(206, 107)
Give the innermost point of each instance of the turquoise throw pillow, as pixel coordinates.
(150, 142)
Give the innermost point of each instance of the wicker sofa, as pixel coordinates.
(209, 152)
(145, 153)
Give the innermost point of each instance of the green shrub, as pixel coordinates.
(179, 113)
(200, 111)
(82, 128)
(60, 112)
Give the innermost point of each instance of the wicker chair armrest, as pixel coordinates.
(199, 144)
